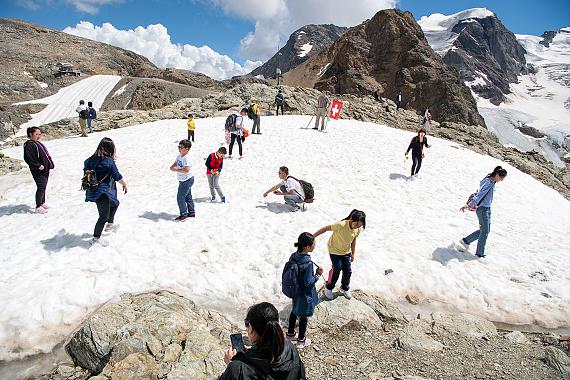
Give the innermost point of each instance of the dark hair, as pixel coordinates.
(357, 216)
(264, 320)
(106, 148)
(243, 110)
(498, 170)
(81, 102)
(306, 239)
(421, 131)
(90, 104)
(223, 150)
(186, 143)
(190, 115)
(284, 169)
(31, 130)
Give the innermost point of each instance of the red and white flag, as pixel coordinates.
(335, 109)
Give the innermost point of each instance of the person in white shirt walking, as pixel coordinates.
(83, 113)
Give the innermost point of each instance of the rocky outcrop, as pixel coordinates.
(302, 44)
(390, 53)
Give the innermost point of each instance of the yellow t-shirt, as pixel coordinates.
(191, 125)
(255, 109)
(342, 237)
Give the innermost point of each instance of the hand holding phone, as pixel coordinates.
(237, 342)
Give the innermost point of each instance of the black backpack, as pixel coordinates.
(307, 189)
(89, 180)
(291, 279)
(279, 99)
(231, 123)
(84, 114)
(250, 113)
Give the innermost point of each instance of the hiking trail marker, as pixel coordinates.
(335, 109)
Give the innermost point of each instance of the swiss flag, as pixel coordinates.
(335, 109)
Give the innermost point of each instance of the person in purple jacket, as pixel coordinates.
(105, 195)
(481, 204)
(40, 163)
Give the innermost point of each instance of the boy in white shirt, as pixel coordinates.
(290, 188)
(183, 168)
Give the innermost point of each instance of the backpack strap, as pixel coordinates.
(258, 370)
(300, 184)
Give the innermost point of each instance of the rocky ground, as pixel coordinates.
(301, 101)
(162, 335)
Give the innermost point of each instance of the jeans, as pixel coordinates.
(303, 321)
(106, 214)
(191, 135)
(213, 182)
(41, 180)
(291, 199)
(89, 125)
(256, 124)
(277, 111)
(484, 216)
(234, 138)
(184, 197)
(416, 162)
(339, 263)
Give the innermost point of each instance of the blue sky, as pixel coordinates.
(240, 33)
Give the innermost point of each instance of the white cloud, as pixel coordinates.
(275, 20)
(154, 43)
(29, 4)
(84, 6)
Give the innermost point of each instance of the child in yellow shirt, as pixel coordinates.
(191, 127)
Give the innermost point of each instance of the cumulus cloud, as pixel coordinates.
(275, 20)
(83, 6)
(154, 43)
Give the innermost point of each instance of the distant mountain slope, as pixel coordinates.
(390, 52)
(302, 44)
(475, 42)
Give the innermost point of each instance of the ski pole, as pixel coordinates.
(307, 127)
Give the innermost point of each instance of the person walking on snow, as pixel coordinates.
(255, 114)
(183, 167)
(214, 163)
(417, 147)
(305, 302)
(83, 116)
(290, 188)
(191, 127)
(342, 250)
(91, 115)
(323, 103)
(481, 202)
(40, 163)
(102, 162)
(279, 102)
(237, 133)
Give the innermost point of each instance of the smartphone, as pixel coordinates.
(237, 342)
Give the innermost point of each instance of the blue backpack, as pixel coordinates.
(291, 279)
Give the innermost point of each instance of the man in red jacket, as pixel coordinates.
(214, 163)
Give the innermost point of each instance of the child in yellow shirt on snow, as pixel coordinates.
(191, 127)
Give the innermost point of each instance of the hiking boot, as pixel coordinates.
(40, 210)
(329, 294)
(291, 336)
(223, 199)
(213, 199)
(463, 246)
(111, 227)
(346, 293)
(181, 218)
(191, 214)
(303, 343)
(98, 242)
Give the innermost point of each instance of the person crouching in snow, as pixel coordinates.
(182, 168)
(305, 302)
(290, 188)
(342, 249)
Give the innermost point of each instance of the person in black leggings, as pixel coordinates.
(417, 147)
(40, 163)
(237, 133)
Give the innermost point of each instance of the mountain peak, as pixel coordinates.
(441, 22)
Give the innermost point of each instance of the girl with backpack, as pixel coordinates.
(270, 355)
(342, 250)
(102, 162)
(481, 202)
(417, 147)
(305, 301)
(40, 163)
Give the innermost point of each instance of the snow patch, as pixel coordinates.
(120, 90)
(42, 84)
(323, 69)
(305, 49)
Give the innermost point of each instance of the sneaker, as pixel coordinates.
(346, 293)
(111, 227)
(463, 246)
(181, 218)
(213, 199)
(291, 336)
(98, 241)
(329, 294)
(481, 257)
(44, 206)
(296, 209)
(223, 199)
(40, 210)
(191, 214)
(303, 343)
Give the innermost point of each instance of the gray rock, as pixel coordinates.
(464, 325)
(342, 312)
(557, 359)
(413, 338)
(384, 309)
(517, 337)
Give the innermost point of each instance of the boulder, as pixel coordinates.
(413, 338)
(138, 366)
(557, 359)
(464, 325)
(517, 337)
(342, 312)
(384, 309)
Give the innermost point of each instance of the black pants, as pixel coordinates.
(416, 162)
(277, 112)
(303, 321)
(106, 214)
(340, 264)
(191, 135)
(234, 138)
(41, 180)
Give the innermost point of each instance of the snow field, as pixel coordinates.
(231, 255)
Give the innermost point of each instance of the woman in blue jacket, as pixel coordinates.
(481, 204)
(102, 162)
(304, 303)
